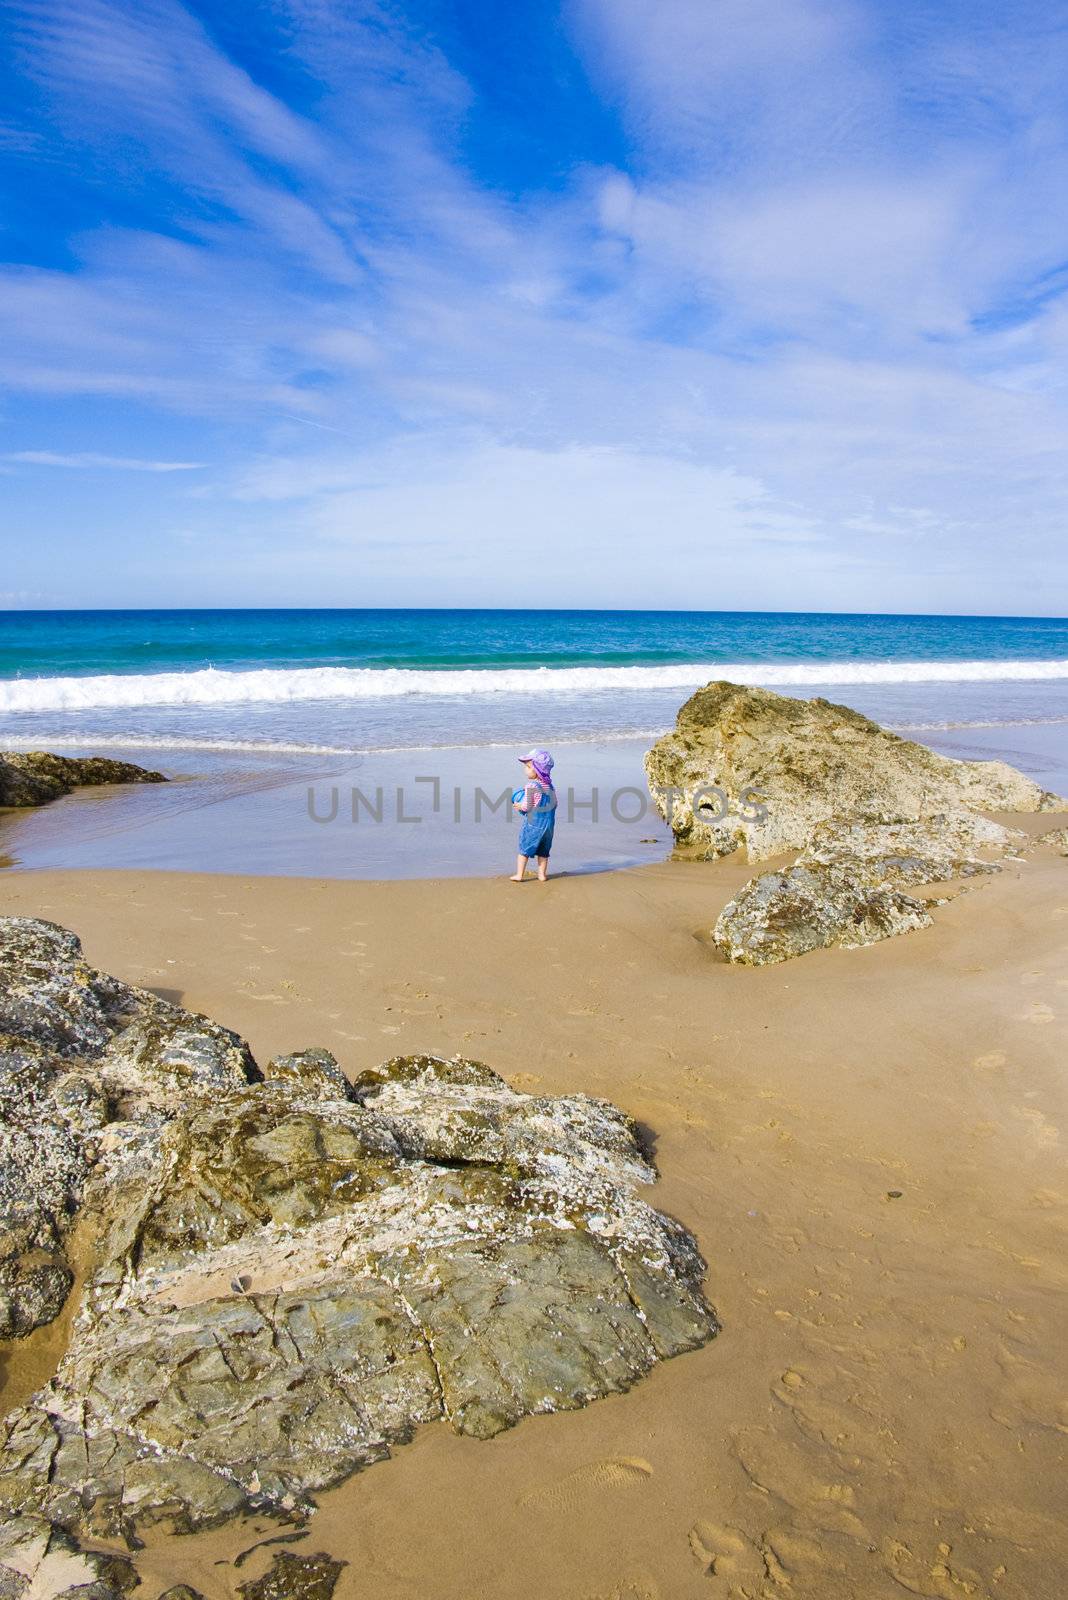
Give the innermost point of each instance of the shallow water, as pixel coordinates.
(398, 814)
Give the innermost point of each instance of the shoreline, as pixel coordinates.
(315, 817)
(865, 1144)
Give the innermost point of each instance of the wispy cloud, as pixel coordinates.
(818, 305)
(90, 459)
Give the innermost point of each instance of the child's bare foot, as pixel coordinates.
(517, 877)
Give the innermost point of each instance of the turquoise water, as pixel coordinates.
(339, 681)
(253, 712)
(83, 643)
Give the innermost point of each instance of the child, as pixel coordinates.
(537, 805)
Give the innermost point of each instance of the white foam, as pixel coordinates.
(87, 739)
(211, 686)
(165, 741)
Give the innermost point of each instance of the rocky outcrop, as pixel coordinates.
(847, 886)
(747, 769)
(87, 1066)
(32, 778)
(288, 1273)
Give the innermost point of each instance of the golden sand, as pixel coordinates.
(868, 1146)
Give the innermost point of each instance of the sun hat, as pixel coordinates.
(541, 761)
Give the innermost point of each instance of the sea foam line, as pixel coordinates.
(167, 743)
(272, 685)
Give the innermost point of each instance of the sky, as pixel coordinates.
(655, 303)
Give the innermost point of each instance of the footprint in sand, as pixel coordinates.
(1039, 1012)
(991, 1061)
(628, 1589)
(934, 1579)
(614, 1472)
(1030, 1396)
(814, 1481)
(724, 1552)
(527, 1081)
(1043, 1131)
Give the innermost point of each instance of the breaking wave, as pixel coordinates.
(211, 686)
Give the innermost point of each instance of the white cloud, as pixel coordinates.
(780, 330)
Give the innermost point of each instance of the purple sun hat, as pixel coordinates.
(542, 762)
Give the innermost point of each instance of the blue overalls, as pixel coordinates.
(536, 834)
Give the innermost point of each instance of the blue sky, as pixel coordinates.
(711, 303)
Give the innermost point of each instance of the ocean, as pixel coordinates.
(252, 709)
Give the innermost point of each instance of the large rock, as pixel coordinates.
(290, 1273)
(33, 777)
(847, 887)
(87, 1065)
(809, 907)
(784, 766)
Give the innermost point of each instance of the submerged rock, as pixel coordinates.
(290, 1273)
(812, 906)
(783, 766)
(34, 777)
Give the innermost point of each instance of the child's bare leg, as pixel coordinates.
(543, 868)
(520, 869)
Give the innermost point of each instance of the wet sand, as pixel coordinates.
(395, 814)
(868, 1146)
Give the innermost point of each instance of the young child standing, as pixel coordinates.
(536, 803)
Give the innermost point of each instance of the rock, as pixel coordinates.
(35, 777)
(288, 1273)
(165, 1055)
(47, 991)
(43, 1165)
(845, 887)
(34, 1284)
(86, 1064)
(181, 1591)
(784, 766)
(808, 907)
(41, 1562)
(1057, 839)
(293, 1577)
(912, 850)
(312, 1071)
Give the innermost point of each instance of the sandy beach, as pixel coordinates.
(867, 1146)
(621, 440)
